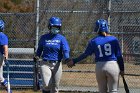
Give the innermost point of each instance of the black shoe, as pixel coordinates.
(4, 83)
(43, 91)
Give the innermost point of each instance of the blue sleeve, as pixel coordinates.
(81, 57)
(88, 51)
(90, 48)
(118, 54)
(4, 40)
(65, 48)
(40, 47)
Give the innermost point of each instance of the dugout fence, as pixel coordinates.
(78, 16)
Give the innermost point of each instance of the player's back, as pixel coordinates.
(105, 48)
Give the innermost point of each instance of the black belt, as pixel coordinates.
(51, 61)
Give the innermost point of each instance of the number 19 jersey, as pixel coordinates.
(106, 48)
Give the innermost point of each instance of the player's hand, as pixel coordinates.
(70, 63)
(36, 58)
(122, 73)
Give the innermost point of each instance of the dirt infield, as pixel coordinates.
(87, 77)
(83, 75)
(31, 91)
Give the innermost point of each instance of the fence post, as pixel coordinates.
(109, 10)
(35, 69)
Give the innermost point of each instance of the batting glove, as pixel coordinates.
(36, 58)
(70, 63)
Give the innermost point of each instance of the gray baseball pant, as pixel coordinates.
(1, 68)
(1, 74)
(107, 75)
(51, 74)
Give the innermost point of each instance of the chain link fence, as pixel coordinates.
(78, 18)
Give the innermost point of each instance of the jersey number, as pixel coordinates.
(107, 48)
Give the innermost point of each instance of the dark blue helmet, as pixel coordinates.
(54, 25)
(101, 25)
(2, 25)
(55, 21)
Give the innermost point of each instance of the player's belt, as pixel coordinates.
(51, 61)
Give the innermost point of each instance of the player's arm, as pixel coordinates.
(87, 52)
(40, 47)
(65, 49)
(5, 47)
(72, 62)
(119, 56)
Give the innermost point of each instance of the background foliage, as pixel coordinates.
(21, 6)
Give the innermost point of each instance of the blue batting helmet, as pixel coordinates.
(2, 25)
(101, 25)
(55, 21)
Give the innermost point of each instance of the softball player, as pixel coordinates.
(108, 58)
(52, 47)
(3, 53)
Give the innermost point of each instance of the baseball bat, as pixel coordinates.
(36, 77)
(8, 80)
(36, 86)
(125, 85)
